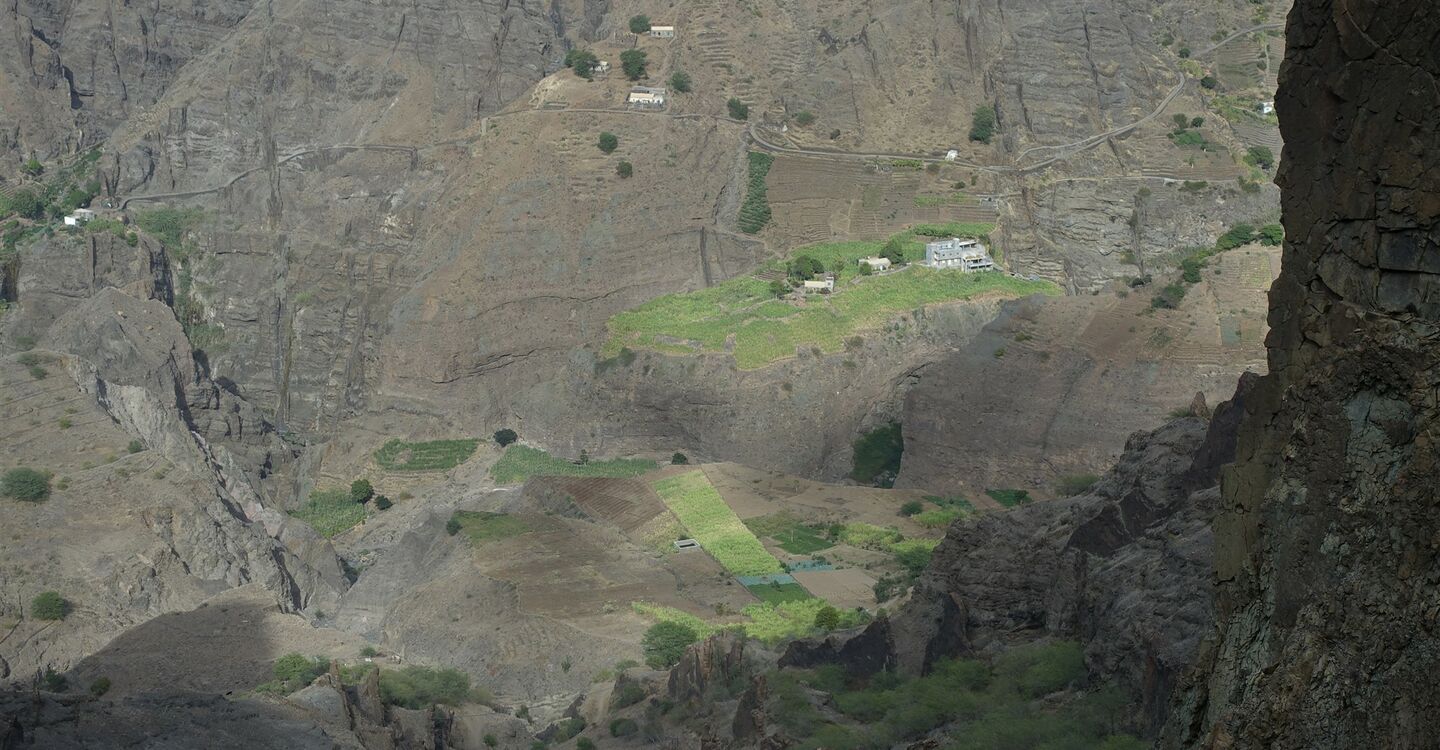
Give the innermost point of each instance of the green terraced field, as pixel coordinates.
(522, 462)
(766, 330)
(790, 533)
(330, 512)
(433, 455)
(693, 500)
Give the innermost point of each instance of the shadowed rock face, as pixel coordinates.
(1326, 544)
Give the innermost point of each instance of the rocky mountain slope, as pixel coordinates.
(1325, 559)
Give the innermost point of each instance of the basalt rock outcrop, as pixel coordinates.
(1327, 564)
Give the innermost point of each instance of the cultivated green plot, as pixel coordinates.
(330, 512)
(522, 462)
(792, 534)
(769, 622)
(483, 527)
(744, 316)
(693, 500)
(433, 455)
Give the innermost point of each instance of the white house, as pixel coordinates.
(876, 263)
(663, 32)
(80, 216)
(646, 97)
(1267, 108)
(602, 67)
(819, 286)
(952, 155)
(966, 255)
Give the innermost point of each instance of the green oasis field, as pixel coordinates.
(766, 329)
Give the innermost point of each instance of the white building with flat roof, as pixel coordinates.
(964, 254)
(819, 286)
(876, 263)
(646, 97)
(80, 216)
(663, 32)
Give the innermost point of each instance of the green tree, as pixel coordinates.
(911, 508)
(827, 618)
(680, 81)
(361, 491)
(583, 62)
(982, 123)
(33, 167)
(1272, 234)
(135, 446)
(383, 503)
(738, 110)
(505, 436)
(779, 288)
(679, 458)
(26, 484)
(1209, 82)
(49, 605)
(632, 61)
(584, 743)
(53, 681)
(805, 267)
(639, 24)
(1184, 52)
(1260, 156)
(608, 142)
(1196, 122)
(452, 527)
(624, 169)
(804, 117)
(1181, 120)
(1235, 237)
(664, 643)
(26, 204)
(894, 251)
(100, 686)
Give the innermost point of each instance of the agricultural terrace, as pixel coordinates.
(693, 500)
(330, 512)
(434, 455)
(481, 527)
(521, 462)
(768, 622)
(766, 329)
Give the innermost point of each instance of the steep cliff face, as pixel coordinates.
(1326, 547)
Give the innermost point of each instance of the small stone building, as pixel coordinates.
(876, 263)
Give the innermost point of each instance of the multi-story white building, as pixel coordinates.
(964, 254)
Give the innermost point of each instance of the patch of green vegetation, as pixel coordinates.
(432, 455)
(951, 199)
(330, 512)
(738, 110)
(877, 454)
(939, 518)
(914, 554)
(743, 317)
(776, 593)
(292, 672)
(665, 642)
(982, 124)
(1169, 297)
(24, 483)
(1075, 484)
(987, 705)
(870, 536)
(755, 210)
(769, 622)
(422, 687)
(712, 523)
(793, 535)
(170, 225)
(521, 462)
(483, 527)
(49, 605)
(1009, 498)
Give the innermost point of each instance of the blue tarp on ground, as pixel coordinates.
(765, 580)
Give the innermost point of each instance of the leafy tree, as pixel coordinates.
(584, 457)
(100, 686)
(912, 508)
(894, 251)
(738, 110)
(804, 118)
(1169, 297)
(1260, 156)
(583, 62)
(625, 169)
(680, 81)
(805, 267)
(679, 458)
(49, 605)
(33, 167)
(505, 436)
(639, 24)
(294, 671)
(135, 446)
(1184, 52)
(1196, 122)
(1272, 234)
(361, 491)
(26, 204)
(1181, 120)
(779, 288)
(827, 618)
(421, 687)
(26, 484)
(665, 642)
(623, 727)
(490, 740)
(877, 455)
(1209, 82)
(452, 527)
(632, 61)
(584, 743)
(53, 681)
(608, 142)
(982, 123)
(1235, 237)
(383, 503)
